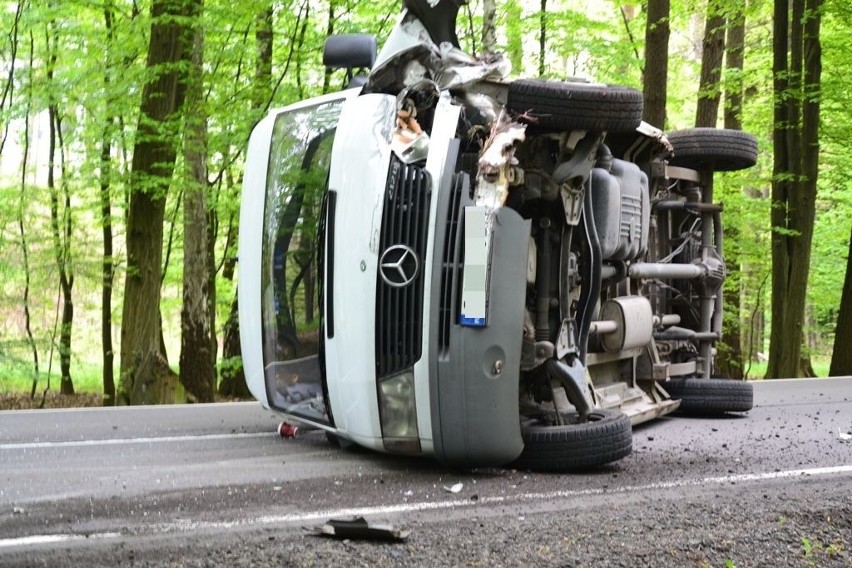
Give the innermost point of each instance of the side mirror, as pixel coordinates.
(350, 52)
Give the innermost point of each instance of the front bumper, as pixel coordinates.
(475, 370)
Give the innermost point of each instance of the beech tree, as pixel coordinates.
(730, 359)
(656, 70)
(197, 356)
(713, 50)
(797, 67)
(144, 371)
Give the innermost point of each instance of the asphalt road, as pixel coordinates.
(215, 485)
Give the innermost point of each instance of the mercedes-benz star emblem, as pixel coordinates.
(399, 266)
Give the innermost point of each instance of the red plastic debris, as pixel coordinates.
(287, 430)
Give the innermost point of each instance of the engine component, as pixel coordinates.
(634, 323)
(622, 211)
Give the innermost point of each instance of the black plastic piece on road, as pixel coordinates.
(359, 528)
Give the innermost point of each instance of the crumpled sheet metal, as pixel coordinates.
(411, 59)
(409, 142)
(411, 56)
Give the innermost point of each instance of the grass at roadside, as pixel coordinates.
(17, 377)
(758, 370)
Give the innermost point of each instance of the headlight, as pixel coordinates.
(398, 413)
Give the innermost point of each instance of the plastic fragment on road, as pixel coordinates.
(844, 436)
(455, 488)
(358, 528)
(287, 430)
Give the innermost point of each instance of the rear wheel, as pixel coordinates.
(711, 396)
(605, 437)
(717, 149)
(566, 105)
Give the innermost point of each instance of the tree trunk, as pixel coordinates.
(542, 38)
(300, 42)
(841, 355)
(145, 376)
(30, 340)
(810, 343)
(61, 246)
(734, 62)
(656, 62)
(60, 220)
(730, 359)
(489, 27)
(329, 31)
(709, 91)
(107, 265)
(11, 65)
(797, 70)
(233, 383)
(197, 363)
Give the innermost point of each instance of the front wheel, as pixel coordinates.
(605, 437)
(711, 396)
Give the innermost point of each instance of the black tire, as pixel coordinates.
(716, 149)
(711, 396)
(565, 105)
(606, 437)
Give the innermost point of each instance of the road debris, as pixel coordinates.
(358, 528)
(455, 488)
(844, 436)
(287, 430)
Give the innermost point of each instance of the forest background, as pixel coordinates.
(124, 124)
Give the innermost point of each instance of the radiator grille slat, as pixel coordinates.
(451, 265)
(402, 246)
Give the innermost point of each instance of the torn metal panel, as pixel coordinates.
(409, 142)
(495, 171)
(410, 55)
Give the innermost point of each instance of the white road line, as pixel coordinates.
(122, 441)
(53, 538)
(189, 526)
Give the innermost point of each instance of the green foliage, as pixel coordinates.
(16, 376)
(99, 72)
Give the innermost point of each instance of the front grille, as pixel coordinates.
(399, 302)
(451, 264)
